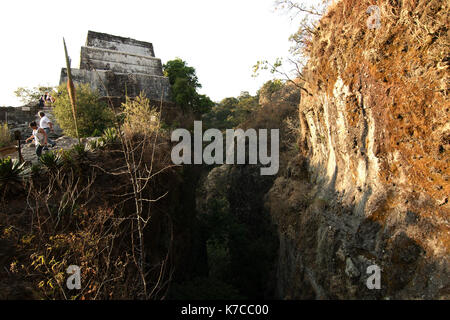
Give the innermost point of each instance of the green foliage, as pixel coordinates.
(97, 133)
(67, 158)
(96, 144)
(184, 84)
(178, 69)
(35, 169)
(263, 65)
(169, 127)
(5, 135)
(271, 87)
(110, 136)
(231, 112)
(79, 150)
(27, 95)
(51, 160)
(12, 173)
(202, 104)
(93, 114)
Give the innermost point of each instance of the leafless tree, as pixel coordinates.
(307, 15)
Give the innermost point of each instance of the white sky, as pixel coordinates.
(222, 40)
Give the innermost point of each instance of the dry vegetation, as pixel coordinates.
(5, 135)
(104, 211)
(404, 69)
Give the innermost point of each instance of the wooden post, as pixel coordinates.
(18, 137)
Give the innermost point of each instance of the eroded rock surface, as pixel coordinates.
(375, 149)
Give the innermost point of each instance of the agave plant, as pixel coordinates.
(35, 169)
(80, 150)
(110, 136)
(12, 172)
(97, 144)
(51, 160)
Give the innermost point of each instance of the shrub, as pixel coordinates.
(96, 133)
(96, 144)
(110, 136)
(269, 88)
(93, 115)
(51, 160)
(5, 135)
(11, 173)
(80, 150)
(140, 117)
(231, 112)
(35, 169)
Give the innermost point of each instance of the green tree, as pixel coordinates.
(231, 112)
(93, 114)
(184, 84)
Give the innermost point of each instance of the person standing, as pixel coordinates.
(42, 101)
(47, 125)
(40, 138)
(48, 99)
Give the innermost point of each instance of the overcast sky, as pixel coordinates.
(221, 39)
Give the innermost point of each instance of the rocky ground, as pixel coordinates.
(29, 151)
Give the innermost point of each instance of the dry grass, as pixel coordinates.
(5, 135)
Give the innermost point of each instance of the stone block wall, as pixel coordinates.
(121, 44)
(117, 66)
(101, 59)
(113, 84)
(18, 115)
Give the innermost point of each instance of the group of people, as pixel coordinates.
(40, 134)
(45, 98)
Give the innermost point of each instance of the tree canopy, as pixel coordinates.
(184, 84)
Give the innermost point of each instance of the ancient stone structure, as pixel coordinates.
(16, 116)
(118, 66)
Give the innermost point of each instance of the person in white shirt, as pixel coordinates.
(47, 125)
(40, 138)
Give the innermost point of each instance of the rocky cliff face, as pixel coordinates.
(370, 185)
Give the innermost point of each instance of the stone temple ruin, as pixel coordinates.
(115, 66)
(118, 66)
